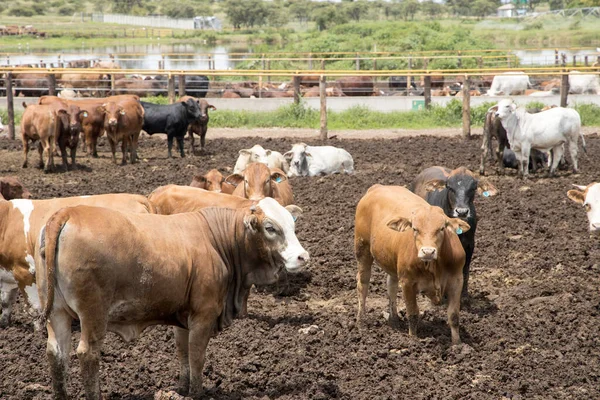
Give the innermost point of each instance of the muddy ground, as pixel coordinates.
(531, 329)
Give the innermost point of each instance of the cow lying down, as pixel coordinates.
(308, 160)
(188, 270)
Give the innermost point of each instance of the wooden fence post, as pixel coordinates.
(408, 78)
(268, 69)
(564, 89)
(574, 60)
(357, 62)
(296, 89)
(585, 61)
(181, 85)
(310, 61)
(480, 62)
(459, 60)
(467, 108)
(171, 89)
(427, 92)
(10, 106)
(52, 85)
(555, 56)
(112, 84)
(323, 97)
(210, 62)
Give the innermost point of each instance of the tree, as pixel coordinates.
(356, 9)
(278, 16)
(556, 4)
(481, 8)
(300, 9)
(459, 7)
(123, 6)
(247, 13)
(532, 4)
(432, 9)
(410, 8)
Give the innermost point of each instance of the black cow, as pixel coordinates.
(399, 83)
(454, 192)
(172, 119)
(196, 85)
(537, 159)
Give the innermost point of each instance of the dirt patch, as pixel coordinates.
(531, 329)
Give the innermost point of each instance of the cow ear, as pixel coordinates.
(576, 195)
(234, 179)
(580, 187)
(211, 107)
(434, 185)
(485, 188)
(62, 112)
(513, 106)
(200, 181)
(100, 109)
(457, 225)
(399, 224)
(277, 177)
(122, 111)
(295, 211)
(268, 152)
(288, 155)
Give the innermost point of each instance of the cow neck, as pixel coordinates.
(226, 233)
(512, 127)
(5, 207)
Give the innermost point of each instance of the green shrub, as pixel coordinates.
(21, 12)
(66, 10)
(38, 8)
(537, 25)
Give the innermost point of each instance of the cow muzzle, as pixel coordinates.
(595, 228)
(497, 115)
(461, 212)
(427, 253)
(112, 122)
(296, 264)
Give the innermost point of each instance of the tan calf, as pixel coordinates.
(258, 181)
(123, 123)
(42, 123)
(416, 245)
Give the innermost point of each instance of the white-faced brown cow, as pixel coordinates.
(416, 245)
(258, 181)
(212, 181)
(589, 197)
(20, 226)
(188, 270)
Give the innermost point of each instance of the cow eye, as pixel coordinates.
(587, 206)
(442, 229)
(270, 228)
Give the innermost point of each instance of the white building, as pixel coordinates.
(507, 11)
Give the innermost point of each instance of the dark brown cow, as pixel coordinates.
(31, 85)
(41, 122)
(123, 123)
(189, 270)
(258, 181)
(11, 188)
(356, 85)
(211, 181)
(416, 245)
(199, 126)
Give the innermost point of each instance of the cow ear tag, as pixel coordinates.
(459, 230)
(85, 114)
(295, 219)
(486, 194)
(279, 180)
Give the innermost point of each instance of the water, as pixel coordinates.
(546, 57)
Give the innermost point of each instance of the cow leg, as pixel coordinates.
(63, 154)
(573, 153)
(180, 144)
(8, 295)
(73, 155)
(557, 154)
(124, 150)
(25, 152)
(363, 277)
(192, 149)
(182, 346)
(41, 153)
(524, 160)
(88, 352)
(203, 136)
(201, 329)
(50, 150)
(392, 286)
(58, 349)
(466, 272)
(412, 309)
(113, 149)
(170, 145)
(453, 292)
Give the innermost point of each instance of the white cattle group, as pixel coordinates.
(273, 159)
(509, 83)
(546, 131)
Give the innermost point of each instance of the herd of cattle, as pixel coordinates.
(92, 84)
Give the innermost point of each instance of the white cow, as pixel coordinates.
(583, 83)
(318, 160)
(509, 83)
(544, 131)
(589, 197)
(273, 159)
(1, 126)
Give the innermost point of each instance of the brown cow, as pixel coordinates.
(40, 122)
(88, 84)
(123, 123)
(68, 135)
(356, 85)
(141, 88)
(31, 85)
(11, 188)
(17, 249)
(260, 181)
(189, 270)
(230, 94)
(199, 126)
(211, 181)
(416, 245)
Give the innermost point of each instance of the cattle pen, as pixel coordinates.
(384, 90)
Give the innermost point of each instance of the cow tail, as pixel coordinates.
(583, 142)
(48, 250)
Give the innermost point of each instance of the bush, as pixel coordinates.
(534, 26)
(21, 12)
(66, 10)
(39, 9)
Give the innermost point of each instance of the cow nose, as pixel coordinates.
(303, 258)
(497, 114)
(461, 212)
(428, 253)
(112, 122)
(595, 226)
(297, 163)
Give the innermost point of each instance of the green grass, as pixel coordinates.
(357, 117)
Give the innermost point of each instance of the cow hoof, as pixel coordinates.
(24, 165)
(4, 322)
(394, 321)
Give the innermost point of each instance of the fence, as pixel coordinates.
(159, 21)
(464, 83)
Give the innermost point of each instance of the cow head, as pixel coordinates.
(298, 160)
(11, 188)
(429, 225)
(461, 187)
(212, 181)
(204, 107)
(192, 109)
(273, 238)
(506, 108)
(589, 197)
(76, 116)
(112, 113)
(258, 181)
(256, 154)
